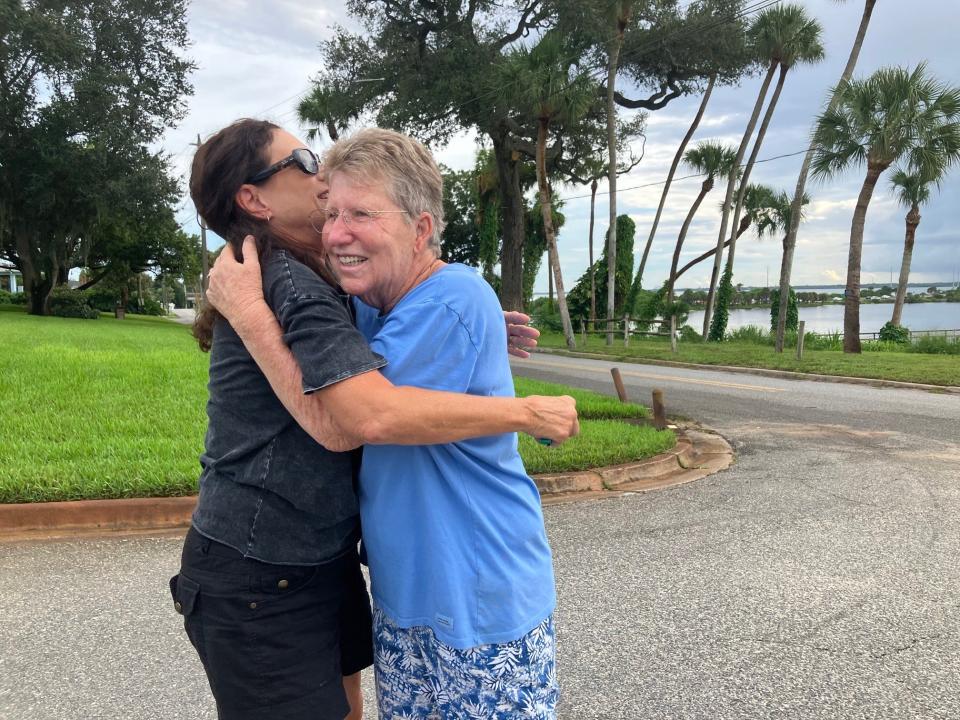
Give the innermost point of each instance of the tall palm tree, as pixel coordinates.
(781, 36)
(711, 159)
(673, 170)
(913, 189)
(795, 38)
(790, 243)
(539, 80)
(622, 12)
(893, 115)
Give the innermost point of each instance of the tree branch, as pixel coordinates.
(668, 91)
(524, 24)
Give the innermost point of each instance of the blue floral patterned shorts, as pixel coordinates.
(421, 678)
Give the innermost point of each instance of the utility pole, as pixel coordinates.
(204, 260)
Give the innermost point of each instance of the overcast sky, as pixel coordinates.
(256, 60)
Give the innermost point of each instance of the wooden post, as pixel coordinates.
(673, 333)
(800, 332)
(618, 384)
(659, 415)
(626, 330)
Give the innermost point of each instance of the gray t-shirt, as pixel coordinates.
(267, 488)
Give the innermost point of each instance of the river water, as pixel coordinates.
(829, 318)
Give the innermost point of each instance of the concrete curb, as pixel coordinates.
(696, 455)
(782, 374)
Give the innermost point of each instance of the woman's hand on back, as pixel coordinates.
(235, 289)
(554, 418)
(519, 333)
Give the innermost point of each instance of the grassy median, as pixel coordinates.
(908, 367)
(112, 409)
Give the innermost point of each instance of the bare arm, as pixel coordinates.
(368, 408)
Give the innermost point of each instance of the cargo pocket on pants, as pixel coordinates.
(186, 593)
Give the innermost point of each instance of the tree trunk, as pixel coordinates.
(673, 170)
(851, 312)
(744, 225)
(513, 220)
(913, 220)
(593, 271)
(786, 265)
(761, 134)
(547, 213)
(38, 273)
(549, 283)
(621, 19)
(671, 281)
(728, 198)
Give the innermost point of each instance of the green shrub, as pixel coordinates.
(18, 298)
(721, 313)
(936, 345)
(895, 333)
(103, 298)
(545, 315)
(826, 341)
(688, 334)
(793, 314)
(152, 307)
(750, 334)
(6, 297)
(72, 304)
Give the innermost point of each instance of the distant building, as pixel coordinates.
(11, 280)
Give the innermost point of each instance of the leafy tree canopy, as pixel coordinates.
(84, 89)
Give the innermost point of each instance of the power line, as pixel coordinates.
(685, 177)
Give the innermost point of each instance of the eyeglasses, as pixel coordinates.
(355, 218)
(303, 158)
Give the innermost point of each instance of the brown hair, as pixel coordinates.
(220, 166)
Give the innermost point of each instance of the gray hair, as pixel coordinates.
(410, 175)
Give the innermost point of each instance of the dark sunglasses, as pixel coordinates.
(303, 158)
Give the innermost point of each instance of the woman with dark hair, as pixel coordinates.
(270, 585)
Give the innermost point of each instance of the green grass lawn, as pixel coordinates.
(909, 367)
(112, 409)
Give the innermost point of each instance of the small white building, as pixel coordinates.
(11, 280)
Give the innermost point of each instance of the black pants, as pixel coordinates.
(275, 640)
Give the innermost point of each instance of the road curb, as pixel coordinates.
(695, 455)
(765, 372)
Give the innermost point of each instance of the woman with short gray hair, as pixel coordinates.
(461, 572)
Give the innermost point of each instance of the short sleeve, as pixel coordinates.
(428, 346)
(317, 326)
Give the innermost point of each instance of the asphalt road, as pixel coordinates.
(816, 578)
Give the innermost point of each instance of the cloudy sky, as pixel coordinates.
(256, 60)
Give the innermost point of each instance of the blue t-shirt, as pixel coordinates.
(454, 532)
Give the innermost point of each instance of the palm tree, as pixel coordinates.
(782, 36)
(795, 38)
(913, 189)
(711, 159)
(673, 170)
(790, 243)
(758, 206)
(893, 115)
(539, 79)
(621, 15)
